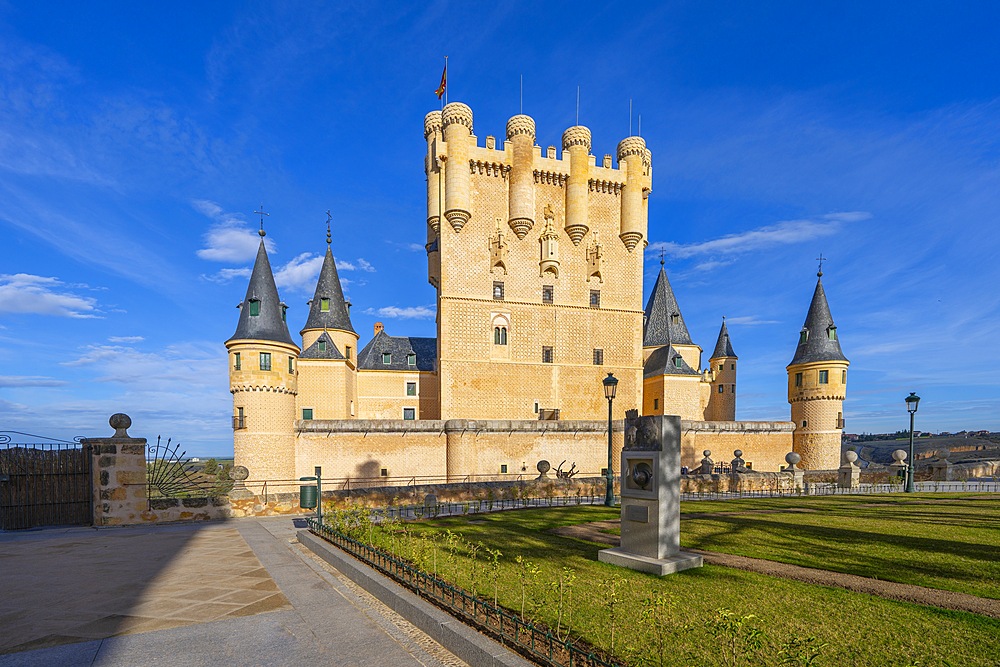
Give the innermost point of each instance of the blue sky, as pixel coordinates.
(136, 139)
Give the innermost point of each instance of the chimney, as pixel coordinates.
(378, 328)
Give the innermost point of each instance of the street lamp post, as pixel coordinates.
(610, 386)
(911, 406)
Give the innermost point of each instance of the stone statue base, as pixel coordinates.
(682, 560)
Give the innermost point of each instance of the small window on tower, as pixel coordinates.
(843, 377)
(499, 335)
(307, 413)
(409, 414)
(732, 389)
(656, 404)
(284, 313)
(798, 379)
(503, 469)
(824, 377)
(831, 332)
(803, 336)
(498, 291)
(265, 361)
(598, 357)
(548, 294)
(387, 358)
(291, 365)
(804, 423)
(595, 298)
(721, 366)
(347, 352)
(678, 361)
(324, 305)
(722, 388)
(321, 345)
(411, 359)
(547, 354)
(411, 388)
(384, 472)
(236, 361)
(732, 367)
(254, 307)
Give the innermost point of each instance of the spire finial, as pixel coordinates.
(820, 259)
(328, 219)
(262, 213)
(663, 254)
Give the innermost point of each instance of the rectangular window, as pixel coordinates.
(595, 298)
(324, 305)
(284, 313)
(720, 366)
(236, 361)
(678, 361)
(721, 388)
(824, 377)
(347, 352)
(503, 469)
(409, 414)
(598, 357)
(547, 354)
(321, 344)
(548, 293)
(265, 361)
(386, 358)
(804, 423)
(254, 307)
(498, 291)
(307, 413)
(411, 388)
(656, 404)
(291, 365)
(411, 359)
(732, 389)
(843, 378)
(384, 472)
(238, 422)
(536, 407)
(798, 379)
(732, 367)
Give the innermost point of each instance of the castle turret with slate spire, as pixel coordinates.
(722, 402)
(817, 386)
(328, 363)
(262, 378)
(663, 324)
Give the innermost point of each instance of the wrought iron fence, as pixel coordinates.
(171, 474)
(528, 639)
(832, 489)
(44, 483)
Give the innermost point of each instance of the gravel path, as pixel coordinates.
(594, 532)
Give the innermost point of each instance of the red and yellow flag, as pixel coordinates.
(444, 82)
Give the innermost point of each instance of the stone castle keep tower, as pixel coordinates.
(536, 260)
(537, 263)
(817, 386)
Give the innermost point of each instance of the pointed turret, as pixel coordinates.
(262, 313)
(723, 347)
(818, 337)
(817, 386)
(664, 324)
(328, 308)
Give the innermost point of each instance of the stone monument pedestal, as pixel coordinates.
(650, 491)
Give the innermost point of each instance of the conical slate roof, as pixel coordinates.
(269, 322)
(818, 340)
(664, 324)
(666, 361)
(723, 348)
(328, 287)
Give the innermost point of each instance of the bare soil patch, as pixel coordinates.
(596, 532)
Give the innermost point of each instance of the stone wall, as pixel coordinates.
(764, 444)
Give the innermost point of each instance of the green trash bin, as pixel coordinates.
(307, 494)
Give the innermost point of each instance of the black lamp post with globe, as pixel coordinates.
(610, 387)
(911, 406)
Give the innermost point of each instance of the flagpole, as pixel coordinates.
(446, 82)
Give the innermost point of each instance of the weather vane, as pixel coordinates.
(328, 219)
(663, 254)
(821, 259)
(262, 213)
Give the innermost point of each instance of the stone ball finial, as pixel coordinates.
(738, 453)
(851, 456)
(631, 146)
(456, 112)
(120, 422)
(239, 473)
(432, 123)
(543, 466)
(792, 458)
(707, 453)
(578, 135)
(521, 124)
(899, 455)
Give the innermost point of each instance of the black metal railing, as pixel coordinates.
(44, 483)
(537, 643)
(171, 474)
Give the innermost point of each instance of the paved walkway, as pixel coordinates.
(241, 592)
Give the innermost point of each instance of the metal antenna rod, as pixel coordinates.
(578, 105)
(630, 116)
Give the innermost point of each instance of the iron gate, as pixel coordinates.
(44, 484)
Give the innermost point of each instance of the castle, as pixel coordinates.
(537, 264)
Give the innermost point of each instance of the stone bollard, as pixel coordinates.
(941, 470)
(707, 464)
(119, 471)
(738, 464)
(239, 476)
(898, 466)
(543, 469)
(792, 459)
(849, 474)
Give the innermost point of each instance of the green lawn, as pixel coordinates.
(857, 629)
(942, 541)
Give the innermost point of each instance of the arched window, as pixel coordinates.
(500, 335)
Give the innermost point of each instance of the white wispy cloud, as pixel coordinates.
(406, 313)
(782, 233)
(365, 265)
(300, 274)
(225, 275)
(343, 265)
(43, 295)
(749, 320)
(125, 339)
(230, 238)
(30, 381)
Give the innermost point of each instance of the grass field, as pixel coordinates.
(856, 629)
